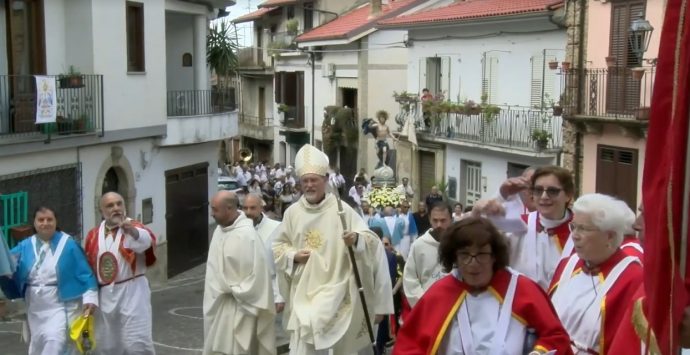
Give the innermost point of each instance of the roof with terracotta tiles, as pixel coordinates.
(254, 15)
(356, 21)
(471, 9)
(273, 3)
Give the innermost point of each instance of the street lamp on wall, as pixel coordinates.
(640, 35)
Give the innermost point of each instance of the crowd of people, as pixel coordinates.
(529, 271)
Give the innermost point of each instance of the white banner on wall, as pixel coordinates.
(46, 103)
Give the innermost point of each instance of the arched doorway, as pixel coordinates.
(115, 175)
(111, 182)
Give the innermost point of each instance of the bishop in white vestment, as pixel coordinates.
(238, 302)
(324, 313)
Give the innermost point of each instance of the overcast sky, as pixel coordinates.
(244, 30)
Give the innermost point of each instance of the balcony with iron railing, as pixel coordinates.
(513, 127)
(292, 117)
(200, 102)
(78, 101)
(614, 93)
(252, 58)
(197, 116)
(282, 42)
(256, 127)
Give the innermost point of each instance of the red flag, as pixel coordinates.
(664, 181)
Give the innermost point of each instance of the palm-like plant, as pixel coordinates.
(221, 50)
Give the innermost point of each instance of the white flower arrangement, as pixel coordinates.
(384, 196)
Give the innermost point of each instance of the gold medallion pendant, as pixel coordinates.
(107, 267)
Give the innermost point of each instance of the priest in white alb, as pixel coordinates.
(324, 314)
(238, 298)
(423, 267)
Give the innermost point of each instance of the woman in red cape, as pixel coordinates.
(490, 309)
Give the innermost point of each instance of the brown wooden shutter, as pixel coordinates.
(427, 173)
(300, 99)
(623, 91)
(616, 173)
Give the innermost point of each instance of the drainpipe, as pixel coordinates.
(580, 95)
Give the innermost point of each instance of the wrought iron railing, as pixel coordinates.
(513, 127)
(613, 92)
(256, 121)
(282, 42)
(251, 57)
(79, 101)
(200, 102)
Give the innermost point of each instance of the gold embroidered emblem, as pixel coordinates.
(313, 239)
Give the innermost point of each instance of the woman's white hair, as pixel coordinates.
(607, 213)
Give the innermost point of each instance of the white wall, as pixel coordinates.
(56, 36)
(149, 181)
(179, 39)
(26, 162)
(131, 100)
(494, 165)
(466, 54)
(78, 36)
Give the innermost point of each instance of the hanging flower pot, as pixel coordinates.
(553, 65)
(565, 66)
(610, 61)
(637, 73)
(557, 110)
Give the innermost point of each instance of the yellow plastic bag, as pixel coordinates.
(82, 333)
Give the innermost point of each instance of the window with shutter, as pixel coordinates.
(616, 173)
(543, 79)
(623, 91)
(445, 77)
(422, 74)
(490, 79)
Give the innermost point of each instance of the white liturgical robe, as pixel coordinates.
(238, 300)
(324, 311)
(422, 268)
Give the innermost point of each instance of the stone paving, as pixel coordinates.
(177, 319)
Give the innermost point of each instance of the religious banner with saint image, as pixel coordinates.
(46, 103)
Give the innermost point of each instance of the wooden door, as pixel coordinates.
(186, 205)
(617, 173)
(26, 55)
(427, 173)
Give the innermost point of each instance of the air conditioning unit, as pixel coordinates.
(328, 70)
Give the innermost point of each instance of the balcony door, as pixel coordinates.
(623, 91)
(26, 56)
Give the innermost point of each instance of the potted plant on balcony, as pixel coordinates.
(637, 73)
(642, 113)
(64, 125)
(292, 26)
(553, 65)
(565, 66)
(79, 124)
(610, 61)
(541, 138)
(282, 111)
(72, 79)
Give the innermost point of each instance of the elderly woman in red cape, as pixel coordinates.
(481, 307)
(592, 287)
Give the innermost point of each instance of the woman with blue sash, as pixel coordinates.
(56, 282)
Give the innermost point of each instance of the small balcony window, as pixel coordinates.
(135, 37)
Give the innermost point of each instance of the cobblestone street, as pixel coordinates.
(177, 318)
